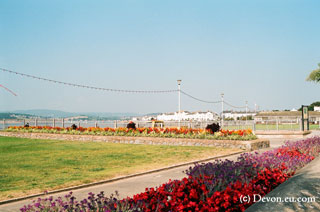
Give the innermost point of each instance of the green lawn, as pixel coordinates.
(30, 166)
(272, 127)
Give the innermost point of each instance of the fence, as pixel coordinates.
(275, 124)
(286, 124)
(239, 125)
(98, 123)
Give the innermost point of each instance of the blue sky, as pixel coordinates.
(259, 51)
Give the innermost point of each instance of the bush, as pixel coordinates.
(131, 125)
(213, 127)
(145, 132)
(74, 127)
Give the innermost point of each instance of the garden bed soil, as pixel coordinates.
(285, 134)
(239, 144)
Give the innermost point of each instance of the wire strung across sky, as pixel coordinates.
(7, 89)
(239, 107)
(211, 102)
(115, 90)
(86, 86)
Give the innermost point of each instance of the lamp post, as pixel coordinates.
(246, 111)
(179, 102)
(222, 94)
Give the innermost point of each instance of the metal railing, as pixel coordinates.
(97, 123)
(276, 124)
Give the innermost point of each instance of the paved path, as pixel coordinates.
(131, 186)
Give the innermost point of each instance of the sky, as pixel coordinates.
(260, 51)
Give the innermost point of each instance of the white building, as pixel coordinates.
(235, 115)
(316, 108)
(188, 116)
(144, 118)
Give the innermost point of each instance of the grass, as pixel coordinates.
(31, 166)
(273, 127)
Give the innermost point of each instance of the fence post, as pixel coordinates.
(115, 124)
(36, 122)
(277, 124)
(53, 122)
(95, 125)
(4, 124)
(24, 122)
(62, 122)
(254, 126)
(79, 124)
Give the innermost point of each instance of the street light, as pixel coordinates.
(246, 111)
(179, 102)
(222, 94)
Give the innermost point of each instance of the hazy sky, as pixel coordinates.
(259, 50)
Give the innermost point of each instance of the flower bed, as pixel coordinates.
(143, 132)
(215, 186)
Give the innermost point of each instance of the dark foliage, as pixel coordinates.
(74, 127)
(213, 127)
(131, 125)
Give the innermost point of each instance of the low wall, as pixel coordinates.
(247, 145)
(281, 134)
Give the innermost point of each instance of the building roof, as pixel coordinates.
(286, 113)
(238, 112)
(188, 112)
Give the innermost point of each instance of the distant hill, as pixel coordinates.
(63, 114)
(102, 114)
(152, 114)
(47, 113)
(15, 116)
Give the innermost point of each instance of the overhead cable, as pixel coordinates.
(112, 90)
(233, 105)
(211, 102)
(10, 91)
(87, 86)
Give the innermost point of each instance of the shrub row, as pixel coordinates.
(143, 132)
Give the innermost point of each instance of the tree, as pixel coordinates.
(314, 75)
(311, 107)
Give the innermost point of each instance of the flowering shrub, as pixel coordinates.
(145, 132)
(215, 186)
(198, 193)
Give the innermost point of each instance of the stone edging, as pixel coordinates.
(281, 132)
(239, 144)
(285, 134)
(117, 178)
